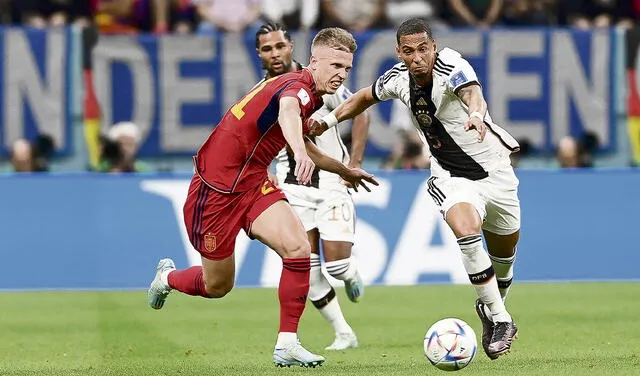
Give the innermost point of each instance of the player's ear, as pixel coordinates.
(398, 53)
(313, 62)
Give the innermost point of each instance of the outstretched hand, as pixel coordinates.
(478, 124)
(356, 177)
(316, 128)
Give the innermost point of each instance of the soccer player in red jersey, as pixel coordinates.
(231, 190)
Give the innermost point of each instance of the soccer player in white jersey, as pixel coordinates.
(472, 180)
(325, 206)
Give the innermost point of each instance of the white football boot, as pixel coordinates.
(296, 355)
(343, 341)
(158, 290)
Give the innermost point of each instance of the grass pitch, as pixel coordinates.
(565, 329)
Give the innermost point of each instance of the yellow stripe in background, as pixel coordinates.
(92, 140)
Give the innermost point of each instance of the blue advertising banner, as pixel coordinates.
(89, 231)
(541, 84)
(36, 86)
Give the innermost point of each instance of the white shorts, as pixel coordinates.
(332, 212)
(494, 197)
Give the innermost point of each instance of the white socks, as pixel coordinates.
(323, 297)
(481, 274)
(343, 270)
(504, 273)
(286, 339)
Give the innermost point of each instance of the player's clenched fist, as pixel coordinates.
(304, 168)
(316, 128)
(355, 177)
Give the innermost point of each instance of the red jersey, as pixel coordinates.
(237, 153)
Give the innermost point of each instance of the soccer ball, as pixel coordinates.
(450, 344)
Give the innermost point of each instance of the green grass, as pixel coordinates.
(565, 329)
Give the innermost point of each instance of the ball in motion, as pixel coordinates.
(450, 344)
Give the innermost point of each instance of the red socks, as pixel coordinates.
(189, 281)
(292, 292)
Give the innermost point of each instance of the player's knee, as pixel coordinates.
(301, 249)
(217, 290)
(463, 226)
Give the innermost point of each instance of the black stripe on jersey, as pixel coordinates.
(388, 78)
(373, 89)
(441, 145)
(442, 69)
(291, 176)
(500, 138)
(444, 65)
(437, 70)
(393, 72)
(466, 84)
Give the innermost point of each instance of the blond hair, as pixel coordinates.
(336, 38)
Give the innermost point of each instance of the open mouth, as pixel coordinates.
(276, 65)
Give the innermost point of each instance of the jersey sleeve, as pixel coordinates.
(301, 93)
(462, 74)
(386, 86)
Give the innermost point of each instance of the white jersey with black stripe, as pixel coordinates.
(329, 142)
(439, 116)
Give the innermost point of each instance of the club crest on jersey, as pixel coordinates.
(458, 79)
(210, 242)
(304, 97)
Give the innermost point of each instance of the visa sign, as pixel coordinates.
(418, 249)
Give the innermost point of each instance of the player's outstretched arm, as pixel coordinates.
(473, 98)
(353, 106)
(355, 177)
(289, 119)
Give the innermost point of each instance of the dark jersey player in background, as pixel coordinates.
(231, 190)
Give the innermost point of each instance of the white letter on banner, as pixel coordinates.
(569, 83)
(177, 91)
(370, 249)
(468, 43)
(25, 84)
(176, 192)
(124, 49)
(237, 71)
(414, 256)
(505, 86)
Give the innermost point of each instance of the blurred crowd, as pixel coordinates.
(119, 145)
(210, 16)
